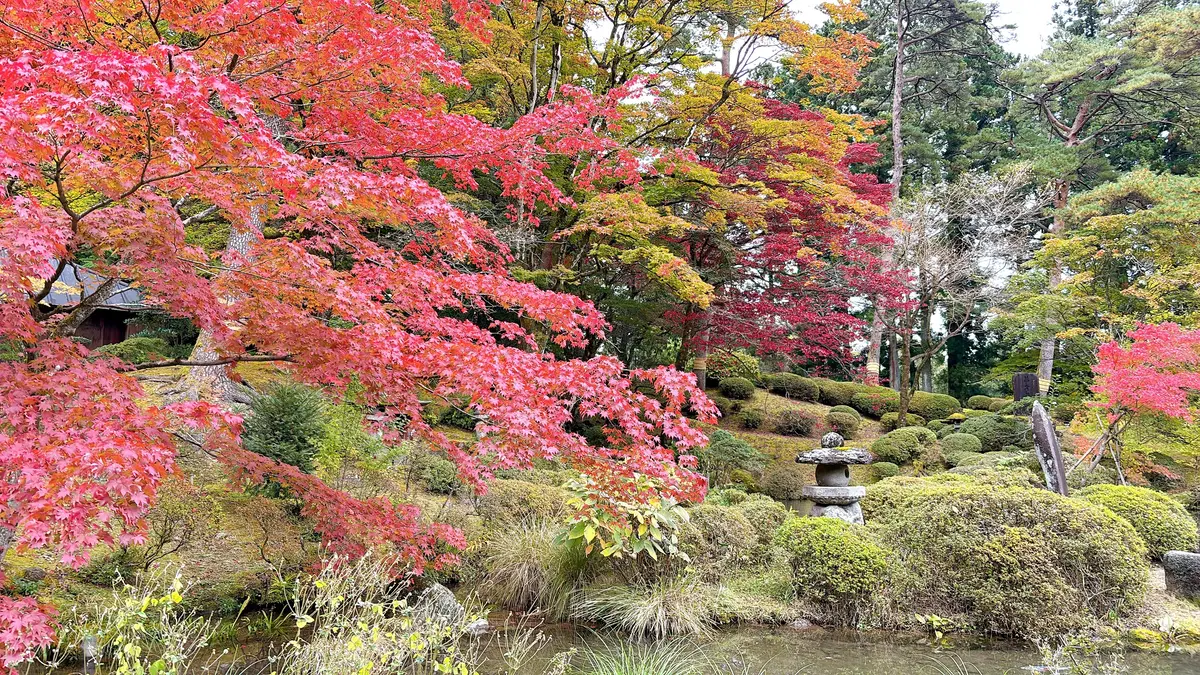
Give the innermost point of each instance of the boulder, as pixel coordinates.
(1183, 573)
(835, 456)
(841, 496)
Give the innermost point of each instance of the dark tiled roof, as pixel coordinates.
(66, 291)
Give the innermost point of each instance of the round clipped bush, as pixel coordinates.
(998, 404)
(885, 470)
(737, 388)
(723, 404)
(1161, 521)
(946, 431)
(831, 560)
(979, 402)
(137, 350)
(956, 444)
(834, 393)
(782, 481)
(718, 536)
(924, 436)
(846, 409)
(934, 406)
(794, 423)
(765, 514)
(876, 403)
(995, 431)
(792, 386)
(723, 364)
(935, 425)
(891, 421)
(844, 424)
(725, 496)
(1007, 559)
(743, 479)
(513, 501)
(752, 419)
(898, 447)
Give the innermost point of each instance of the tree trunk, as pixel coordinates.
(905, 377)
(727, 47)
(1045, 369)
(925, 382)
(533, 59)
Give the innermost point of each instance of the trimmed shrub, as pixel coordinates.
(717, 537)
(1011, 560)
(846, 409)
(765, 514)
(997, 404)
(963, 459)
(957, 444)
(1101, 475)
(834, 393)
(724, 453)
(890, 421)
(1162, 522)
(513, 501)
(876, 403)
(924, 436)
(995, 432)
(744, 479)
(832, 560)
(898, 447)
(979, 402)
(725, 496)
(724, 364)
(287, 425)
(846, 425)
(968, 413)
(438, 474)
(751, 419)
(935, 425)
(783, 481)
(136, 350)
(885, 470)
(946, 431)
(934, 406)
(794, 423)
(723, 404)
(738, 388)
(792, 386)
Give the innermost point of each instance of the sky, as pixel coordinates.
(1031, 18)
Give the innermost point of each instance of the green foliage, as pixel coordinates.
(725, 496)
(287, 424)
(996, 431)
(794, 423)
(832, 560)
(885, 469)
(752, 419)
(514, 501)
(723, 404)
(436, 473)
(837, 393)
(1162, 522)
(528, 566)
(980, 402)
(659, 609)
(934, 406)
(136, 350)
(718, 538)
(935, 425)
(898, 447)
(955, 445)
(782, 481)
(724, 454)
(924, 436)
(602, 518)
(737, 388)
(792, 386)
(765, 514)
(876, 403)
(346, 444)
(998, 404)
(723, 364)
(891, 421)
(1012, 560)
(846, 425)
(846, 410)
(458, 415)
(744, 479)
(643, 658)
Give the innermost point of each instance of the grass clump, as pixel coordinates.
(1162, 522)
(529, 566)
(657, 609)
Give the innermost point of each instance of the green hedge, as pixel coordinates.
(737, 388)
(934, 406)
(844, 424)
(792, 386)
(898, 447)
(996, 431)
(924, 436)
(846, 409)
(979, 402)
(956, 445)
(885, 469)
(765, 514)
(783, 481)
(876, 403)
(1161, 521)
(890, 421)
(834, 393)
(137, 350)
(1011, 560)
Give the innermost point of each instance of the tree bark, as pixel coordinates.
(1045, 369)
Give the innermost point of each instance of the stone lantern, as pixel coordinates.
(833, 496)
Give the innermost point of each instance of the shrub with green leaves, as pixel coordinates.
(998, 404)
(511, 501)
(846, 425)
(722, 364)
(847, 410)
(995, 431)
(286, 424)
(924, 436)
(737, 388)
(725, 453)
(752, 419)
(783, 481)
(726, 496)
(876, 403)
(885, 469)
(891, 421)
(717, 537)
(1162, 522)
(436, 473)
(979, 402)
(935, 425)
(137, 350)
(955, 445)
(898, 447)
(723, 404)
(458, 414)
(934, 406)
(832, 560)
(743, 479)
(792, 386)
(794, 423)
(833, 393)
(765, 514)
(1007, 559)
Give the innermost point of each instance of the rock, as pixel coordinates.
(1048, 453)
(802, 624)
(835, 456)
(478, 627)
(437, 604)
(841, 496)
(832, 440)
(833, 475)
(851, 513)
(1182, 570)
(34, 574)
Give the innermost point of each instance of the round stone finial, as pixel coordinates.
(832, 440)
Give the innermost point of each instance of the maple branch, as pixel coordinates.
(243, 358)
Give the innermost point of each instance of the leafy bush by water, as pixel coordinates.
(832, 561)
(765, 515)
(718, 537)
(1162, 522)
(528, 566)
